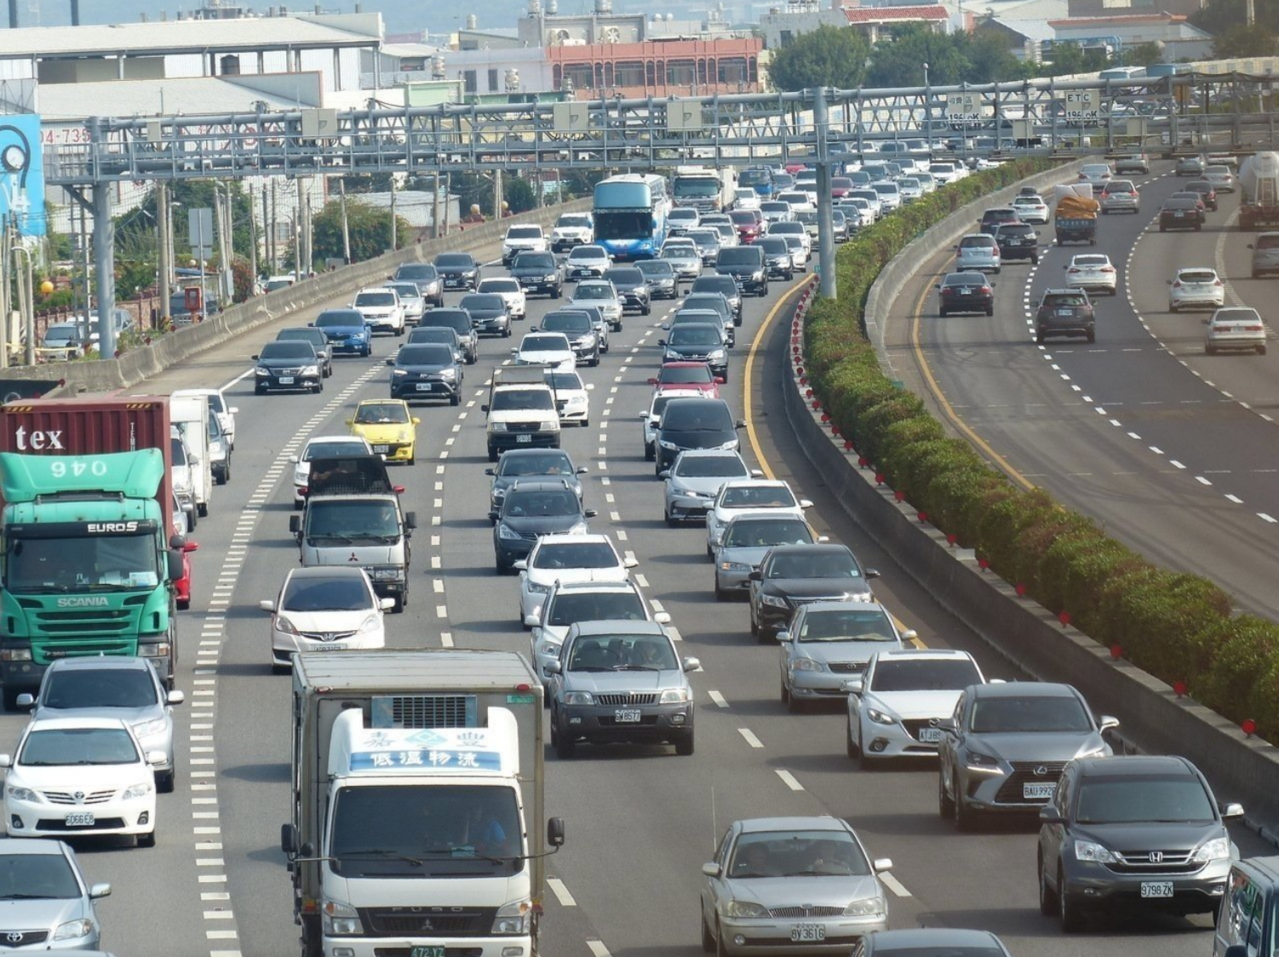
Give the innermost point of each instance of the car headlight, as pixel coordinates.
(497, 426)
(23, 794)
(715, 355)
(776, 601)
(369, 625)
(448, 373)
(406, 435)
(976, 761)
(1218, 849)
(536, 588)
(341, 920)
(154, 726)
(398, 372)
(871, 907)
(283, 624)
(261, 370)
(745, 909)
(549, 425)
(507, 533)
(1100, 751)
(669, 446)
(514, 918)
(549, 277)
(588, 341)
(578, 697)
(551, 649)
(880, 717)
(674, 696)
(1091, 851)
(138, 790)
(73, 929)
(807, 664)
(310, 370)
(757, 276)
(734, 567)
(579, 529)
(671, 356)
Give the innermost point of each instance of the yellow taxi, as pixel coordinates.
(388, 427)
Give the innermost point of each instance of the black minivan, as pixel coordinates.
(694, 423)
(747, 266)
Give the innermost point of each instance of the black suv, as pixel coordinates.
(1139, 831)
(1017, 241)
(538, 272)
(727, 287)
(992, 219)
(746, 265)
(632, 288)
(458, 270)
(426, 371)
(1065, 312)
(1180, 213)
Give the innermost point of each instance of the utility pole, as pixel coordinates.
(301, 262)
(253, 244)
(435, 207)
(162, 230)
(497, 194)
(346, 229)
(825, 230)
(268, 220)
(393, 237)
(5, 241)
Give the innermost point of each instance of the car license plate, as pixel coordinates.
(381, 449)
(286, 380)
(524, 439)
(1065, 313)
(427, 951)
(328, 646)
(424, 387)
(629, 716)
(808, 932)
(1038, 792)
(965, 291)
(79, 819)
(929, 735)
(1178, 215)
(1156, 888)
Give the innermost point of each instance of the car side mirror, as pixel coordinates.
(756, 575)
(720, 380)
(555, 832)
(174, 562)
(784, 636)
(691, 664)
(552, 667)
(293, 459)
(99, 891)
(739, 424)
(1231, 810)
(711, 869)
(590, 513)
(410, 519)
(664, 474)
(155, 758)
(910, 634)
(882, 864)
(492, 515)
(267, 605)
(854, 685)
(234, 409)
(175, 697)
(386, 604)
(485, 408)
(295, 524)
(662, 617)
(532, 621)
(582, 470)
(255, 355)
(1050, 815)
(26, 700)
(1106, 722)
(1236, 950)
(521, 565)
(390, 362)
(288, 839)
(947, 726)
(662, 342)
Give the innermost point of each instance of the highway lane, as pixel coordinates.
(640, 821)
(1120, 429)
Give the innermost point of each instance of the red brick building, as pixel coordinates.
(675, 67)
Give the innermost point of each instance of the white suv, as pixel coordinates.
(572, 229)
(381, 308)
(523, 238)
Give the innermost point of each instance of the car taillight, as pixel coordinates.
(1107, 268)
(1217, 282)
(1072, 269)
(1253, 328)
(985, 290)
(947, 291)
(1177, 284)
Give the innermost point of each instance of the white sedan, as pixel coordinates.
(1235, 329)
(322, 447)
(550, 349)
(80, 776)
(895, 705)
(1194, 287)
(511, 292)
(1092, 272)
(1031, 209)
(568, 559)
(325, 608)
(752, 495)
(572, 397)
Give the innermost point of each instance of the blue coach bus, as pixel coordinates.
(630, 215)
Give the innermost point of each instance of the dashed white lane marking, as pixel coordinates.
(446, 639)
(597, 948)
(561, 892)
(789, 780)
(1235, 498)
(719, 699)
(1266, 518)
(749, 735)
(641, 581)
(894, 885)
(1201, 480)
(1175, 464)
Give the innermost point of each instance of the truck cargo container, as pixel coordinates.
(1259, 191)
(393, 753)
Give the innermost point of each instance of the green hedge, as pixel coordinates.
(1176, 626)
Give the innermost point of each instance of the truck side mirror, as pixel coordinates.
(410, 519)
(295, 524)
(555, 832)
(175, 565)
(288, 839)
(177, 542)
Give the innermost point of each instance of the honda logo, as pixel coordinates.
(1156, 857)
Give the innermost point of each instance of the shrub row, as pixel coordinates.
(1176, 626)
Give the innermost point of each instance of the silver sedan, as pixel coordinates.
(827, 643)
(695, 478)
(745, 542)
(782, 885)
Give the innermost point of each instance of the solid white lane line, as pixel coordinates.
(561, 892)
(789, 780)
(753, 741)
(894, 885)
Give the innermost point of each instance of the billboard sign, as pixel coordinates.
(22, 173)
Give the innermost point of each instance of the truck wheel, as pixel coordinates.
(401, 601)
(203, 509)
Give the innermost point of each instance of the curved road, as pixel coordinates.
(640, 820)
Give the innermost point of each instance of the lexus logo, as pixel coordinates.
(14, 936)
(1156, 857)
(1041, 771)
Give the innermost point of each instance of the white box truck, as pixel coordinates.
(190, 414)
(417, 812)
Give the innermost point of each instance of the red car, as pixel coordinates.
(749, 223)
(840, 186)
(694, 376)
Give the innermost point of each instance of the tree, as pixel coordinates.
(828, 56)
(1143, 54)
(518, 193)
(900, 61)
(990, 60)
(1219, 17)
(1244, 41)
(368, 226)
(1069, 57)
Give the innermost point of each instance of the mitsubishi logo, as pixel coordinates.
(1041, 771)
(353, 558)
(1156, 857)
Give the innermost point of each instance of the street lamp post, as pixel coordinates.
(26, 303)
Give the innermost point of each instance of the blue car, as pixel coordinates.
(348, 333)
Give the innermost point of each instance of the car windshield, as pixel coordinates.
(1197, 276)
(375, 299)
(932, 675)
(745, 533)
(939, 950)
(574, 220)
(1010, 714)
(99, 688)
(567, 609)
(37, 876)
(808, 565)
(576, 555)
(847, 625)
(424, 356)
(686, 374)
(482, 302)
(739, 256)
(328, 450)
(627, 277)
(694, 416)
(59, 747)
(588, 253)
(352, 520)
(535, 261)
(455, 319)
(773, 246)
(1132, 800)
(524, 232)
(593, 292)
(331, 320)
(288, 350)
(433, 334)
(757, 496)
(406, 290)
(417, 272)
(556, 343)
(710, 466)
(1091, 262)
(454, 261)
(1236, 315)
(338, 593)
(977, 242)
(678, 251)
(566, 322)
(565, 381)
(695, 334)
(1066, 299)
(500, 285)
(541, 463)
(622, 653)
(550, 503)
(797, 854)
(520, 400)
(381, 413)
(313, 336)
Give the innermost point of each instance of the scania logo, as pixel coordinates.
(1041, 771)
(89, 602)
(1156, 857)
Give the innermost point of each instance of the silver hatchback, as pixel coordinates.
(694, 480)
(977, 252)
(744, 543)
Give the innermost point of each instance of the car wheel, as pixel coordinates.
(1092, 335)
(184, 604)
(720, 949)
(708, 939)
(146, 840)
(945, 805)
(506, 333)
(258, 390)
(754, 621)
(990, 310)
(455, 400)
(851, 746)
(648, 309)
(202, 510)
(720, 594)
(1261, 350)
(1047, 899)
(617, 326)
(501, 567)
(164, 782)
(684, 745)
(492, 454)
(557, 292)
(1039, 337)
(784, 693)
(649, 452)
(963, 817)
(1172, 307)
(1210, 350)
(671, 521)
(1068, 910)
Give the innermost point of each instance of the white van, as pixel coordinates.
(190, 413)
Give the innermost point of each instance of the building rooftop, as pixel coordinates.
(932, 11)
(73, 102)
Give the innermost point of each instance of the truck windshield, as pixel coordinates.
(82, 562)
(523, 400)
(415, 830)
(352, 520)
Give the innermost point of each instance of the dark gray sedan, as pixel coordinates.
(531, 508)
(317, 338)
(795, 575)
(488, 313)
(426, 371)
